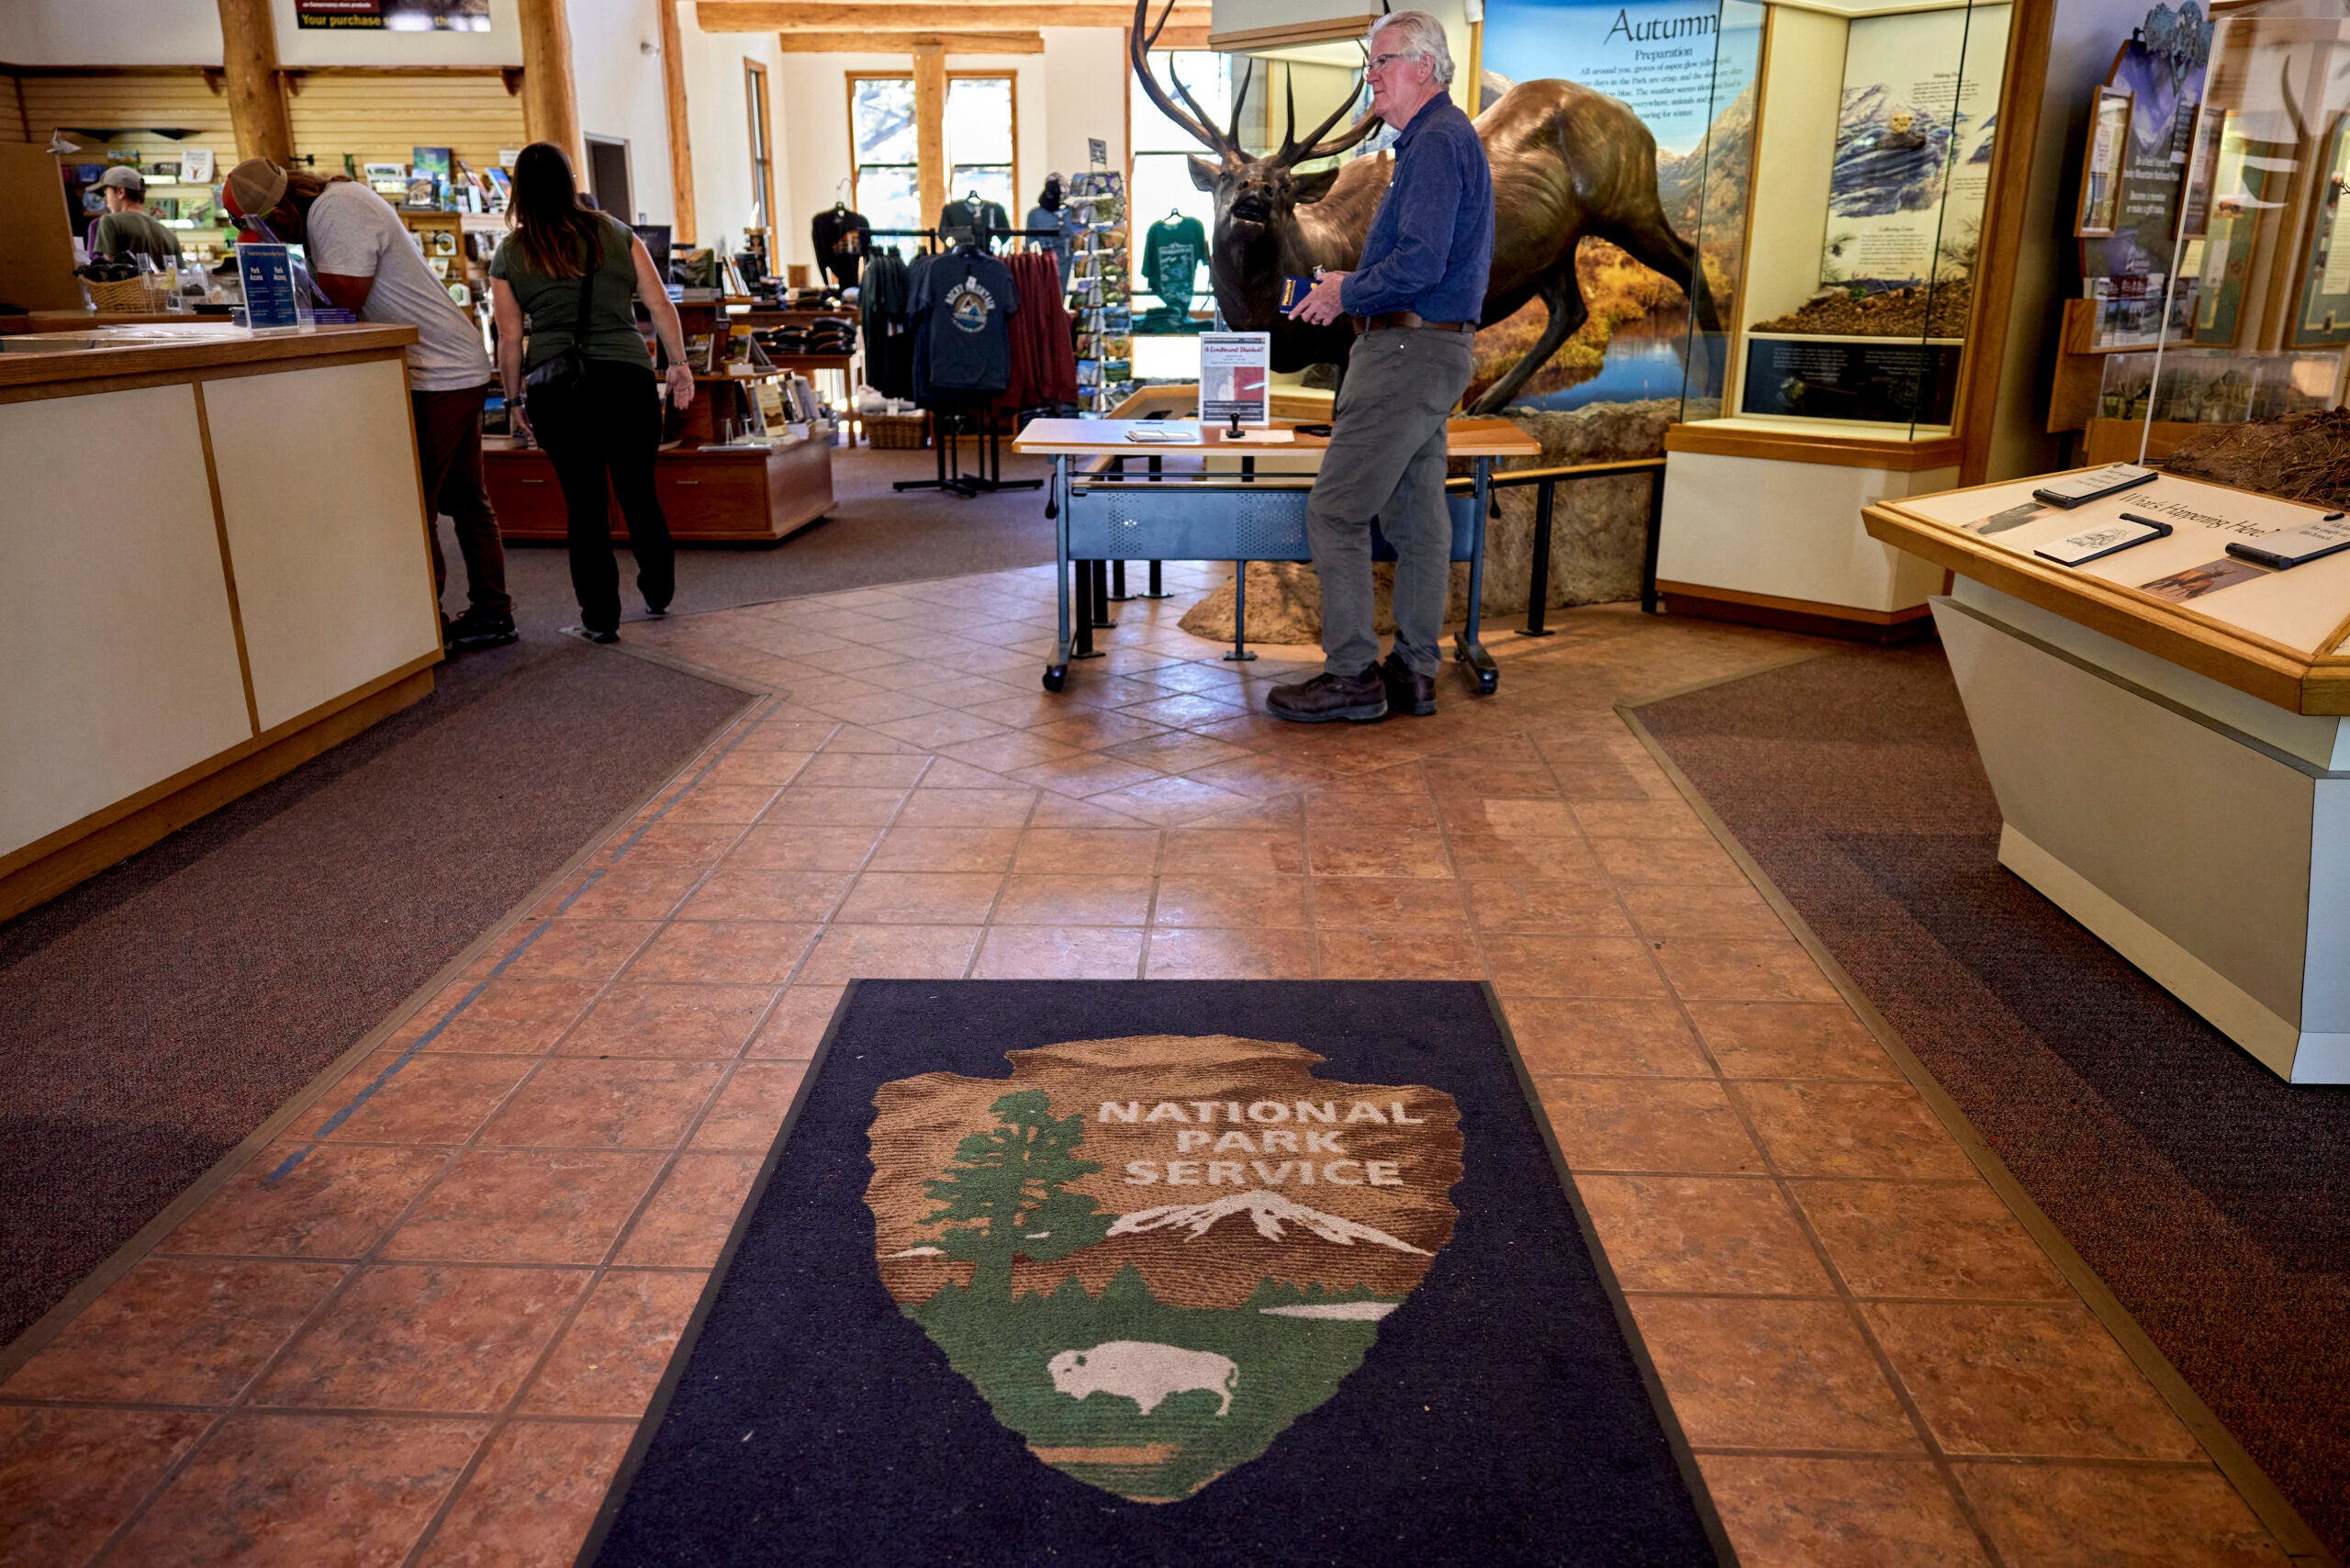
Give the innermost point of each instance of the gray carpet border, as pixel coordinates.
(2242, 1471)
(45, 1329)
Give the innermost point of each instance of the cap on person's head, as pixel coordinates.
(254, 187)
(126, 179)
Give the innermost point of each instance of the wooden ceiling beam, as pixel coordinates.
(868, 42)
(893, 16)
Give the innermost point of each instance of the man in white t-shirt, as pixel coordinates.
(362, 256)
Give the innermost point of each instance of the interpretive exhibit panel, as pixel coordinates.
(1872, 182)
(1913, 147)
(2187, 578)
(2162, 724)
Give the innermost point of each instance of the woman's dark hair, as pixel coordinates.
(559, 237)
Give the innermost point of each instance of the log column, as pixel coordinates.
(681, 145)
(930, 127)
(256, 93)
(550, 106)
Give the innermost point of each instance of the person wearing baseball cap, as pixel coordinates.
(127, 227)
(361, 259)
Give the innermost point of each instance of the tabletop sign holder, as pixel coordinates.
(1235, 378)
(274, 299)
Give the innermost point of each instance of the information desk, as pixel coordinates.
(215, 570)
(2164, 729)
(1238, 501)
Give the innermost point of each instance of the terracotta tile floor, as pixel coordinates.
(422, 1327)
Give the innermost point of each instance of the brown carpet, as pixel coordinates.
(159, 1013)
(2212, 1198)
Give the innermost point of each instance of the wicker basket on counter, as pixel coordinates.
(125, 297)
(896, 432)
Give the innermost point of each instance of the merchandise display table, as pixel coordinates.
(1238, 501)
(258, 593)
(2164, 729)
(732, 496)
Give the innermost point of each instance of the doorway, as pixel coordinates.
(608, 179)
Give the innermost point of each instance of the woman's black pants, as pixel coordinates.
(600, 433)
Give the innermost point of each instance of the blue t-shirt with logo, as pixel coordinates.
(962, 305)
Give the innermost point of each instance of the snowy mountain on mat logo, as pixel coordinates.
(1142, 1346)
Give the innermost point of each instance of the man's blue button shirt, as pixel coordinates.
(1431, 243)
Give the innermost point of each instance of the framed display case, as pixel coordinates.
(1872, 164)
(2149, 403)
(2101, 163)
(2254, 309)
(2322, 295)
(1875, 140)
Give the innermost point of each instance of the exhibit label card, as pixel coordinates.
(1236, 371)
(2196, 581)
(2091, 543)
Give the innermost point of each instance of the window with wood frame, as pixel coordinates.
(884, 157)
(982, 140)
(754, 96)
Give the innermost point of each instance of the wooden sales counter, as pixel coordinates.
(2164, 729)
(216, 570)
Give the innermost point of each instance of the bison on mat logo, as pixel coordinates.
(1152, 1255)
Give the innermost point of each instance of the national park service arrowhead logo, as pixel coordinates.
(1151, 1255)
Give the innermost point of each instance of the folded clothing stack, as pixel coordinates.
(825, 337)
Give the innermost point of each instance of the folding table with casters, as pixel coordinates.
(1219, 499)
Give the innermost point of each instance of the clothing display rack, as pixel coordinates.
(947, 428)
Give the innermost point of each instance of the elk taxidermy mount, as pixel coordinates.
(1566, 162)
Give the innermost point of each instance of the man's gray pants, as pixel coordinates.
(1386, 461)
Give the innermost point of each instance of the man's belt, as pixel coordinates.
(1386, 320)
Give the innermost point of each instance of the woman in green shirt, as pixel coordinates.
(569, 276)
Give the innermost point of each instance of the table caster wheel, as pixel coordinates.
(1055, 677)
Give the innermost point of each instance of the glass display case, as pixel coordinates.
(2255, 304)
(2211, 386)
(1871, 159)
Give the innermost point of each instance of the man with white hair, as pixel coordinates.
(1415, 298)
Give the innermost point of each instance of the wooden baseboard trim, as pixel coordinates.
(238, 774)
(1882, 626)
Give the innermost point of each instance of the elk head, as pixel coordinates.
(1257, 239)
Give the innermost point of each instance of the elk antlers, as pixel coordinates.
(1201, 126)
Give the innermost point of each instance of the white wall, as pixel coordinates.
(619, 93)
(109, 32)
(717, 116)
(1085, 87)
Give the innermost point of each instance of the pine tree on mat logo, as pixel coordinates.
(1143, 1346)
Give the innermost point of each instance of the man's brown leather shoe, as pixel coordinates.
(1407, 692)
(1358, 699)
